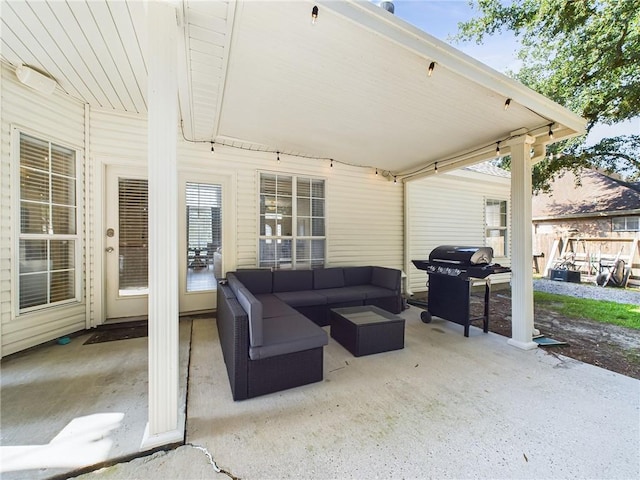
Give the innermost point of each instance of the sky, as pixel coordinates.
(440, 18)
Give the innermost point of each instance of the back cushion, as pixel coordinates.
(254, 311)
(256, 281)
(328, 278)
(292, 280)
(357, 275)
(386, 277)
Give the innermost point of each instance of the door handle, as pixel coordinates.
(109, 249)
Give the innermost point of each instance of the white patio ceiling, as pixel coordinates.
(257, 74)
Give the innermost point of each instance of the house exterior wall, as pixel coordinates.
(449, 209)
(56, 118)
(364, 212)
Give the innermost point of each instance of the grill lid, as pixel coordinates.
(461, 255)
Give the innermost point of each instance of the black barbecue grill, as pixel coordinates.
(451, 270)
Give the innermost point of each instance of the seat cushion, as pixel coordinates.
(372, 291)
(307, 298)
(272, 306)
(341, 295)
(288, 334)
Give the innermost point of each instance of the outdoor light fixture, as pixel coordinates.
(314, 15)
(36, 80)
(376, 170)
(432, 65)
(498, 149)
(507, 103)
(551, 132)
(212, 149)
(435, 169)
(395, 179)
(278, 153)
(331, 163)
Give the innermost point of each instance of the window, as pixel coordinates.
(626, 224)
(496, 226)
(292, 222)
(48, 236)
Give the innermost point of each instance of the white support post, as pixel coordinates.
(521, 244)
(162, 91)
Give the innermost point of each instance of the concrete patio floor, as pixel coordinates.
(445, 406)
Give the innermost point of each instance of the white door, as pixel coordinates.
(201, 245)
(126, 242)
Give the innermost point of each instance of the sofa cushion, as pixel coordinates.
(287, 334)
(328, 278)
(344, 294)
(292, 280)
(253, 307)
(373, 291)
(307, 298)
(386, 278)
(357, 275)
(272, 306)
(257, 281)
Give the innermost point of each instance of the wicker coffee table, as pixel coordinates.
(367, 329)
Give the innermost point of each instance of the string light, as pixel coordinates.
(498, 149)
(331, 163)
(278, 153)
(212, 149)
(314, 15)
(395, 179)
(376, 170)
(436, 168)
(432, 65)
(507, 104)
(551, 132)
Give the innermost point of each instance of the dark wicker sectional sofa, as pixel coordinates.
(269, 323)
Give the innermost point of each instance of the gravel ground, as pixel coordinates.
(584, 290)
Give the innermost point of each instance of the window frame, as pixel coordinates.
(18, 236)
(626, 219)
(503, 228)
(294, 237)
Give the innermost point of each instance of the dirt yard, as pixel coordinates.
(608, 346)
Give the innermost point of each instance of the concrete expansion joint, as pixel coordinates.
(212, 461)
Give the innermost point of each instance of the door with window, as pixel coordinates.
(201, 243)
(126, 242)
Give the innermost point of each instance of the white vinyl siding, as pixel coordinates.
(58, 119)
(448, 209)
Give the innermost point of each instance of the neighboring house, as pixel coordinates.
(470, 206)
(597, 213)
(294, 138)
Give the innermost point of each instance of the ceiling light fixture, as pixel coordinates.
(395, 179)
(498, 149)
(551, 132)
(376, 170)
(436, 168)
(278, 153)
(432, 65)
(212, 149)
(507, 104)
(36, 80)
(314, 15)
(331, 163)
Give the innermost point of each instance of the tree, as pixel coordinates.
(583, 54)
